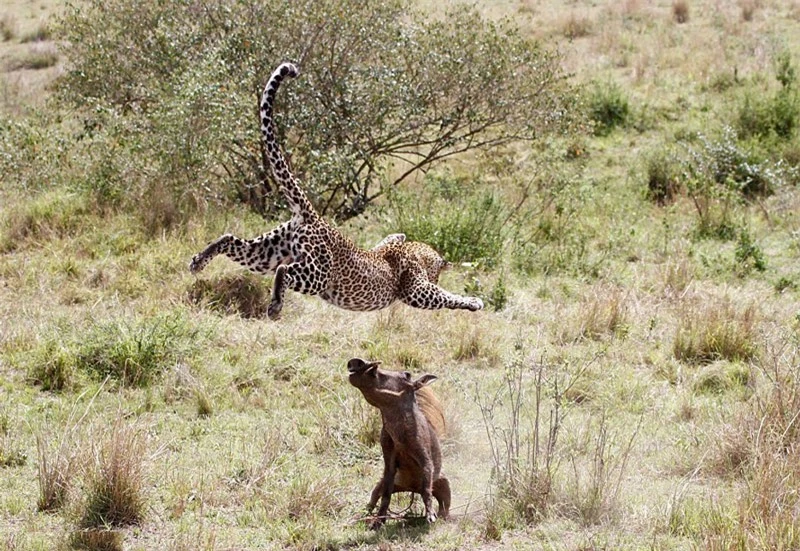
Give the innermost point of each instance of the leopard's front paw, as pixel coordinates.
(474, 304)
(198, 262)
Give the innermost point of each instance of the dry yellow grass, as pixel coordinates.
(254, 439)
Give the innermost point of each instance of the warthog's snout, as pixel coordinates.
(357, 365)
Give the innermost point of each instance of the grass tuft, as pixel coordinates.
(601, 315)
(134, 353)
(576, 26)
(52, 367)
(116, 481)
(11, 453)
(130, 353)
(41, 33)
(608, 107)
(34, 59)
(8, 27)
(749, 8)
(680, 11)
(50, 215)
(96, 540)
(663, 177)
(205, 407)
(242, 294)
(717, 330)
(56, 469)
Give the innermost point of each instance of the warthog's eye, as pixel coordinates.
(407, 374)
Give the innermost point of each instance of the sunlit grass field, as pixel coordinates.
(632, 383)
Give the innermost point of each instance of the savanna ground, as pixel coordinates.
(632, 383)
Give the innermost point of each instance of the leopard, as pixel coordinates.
(308, 255)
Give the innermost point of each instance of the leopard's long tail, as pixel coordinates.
(289, 185)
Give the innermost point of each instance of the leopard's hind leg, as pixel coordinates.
(262, 254)
(417, 291)
(308, 276)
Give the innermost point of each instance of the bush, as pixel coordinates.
(720, 173)
(450, 214)
(663, 177)
(608, 108)
(182, 85)
(778, 115)
(748, 255)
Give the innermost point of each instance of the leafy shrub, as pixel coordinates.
(498, 298)
(455, 217)
(748, 255)
(778, 115)
(785, 284)
(725, 162)
(785, 72)
(718, 174)
(663, 177)
(553, 234)
(33, 154)
(608, 107)
(181, 84)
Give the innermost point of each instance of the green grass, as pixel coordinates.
(142, 407)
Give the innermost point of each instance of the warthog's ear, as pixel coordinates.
(424, 380)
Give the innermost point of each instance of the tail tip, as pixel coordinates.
(288, 69)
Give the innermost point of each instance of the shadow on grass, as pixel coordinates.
(408, 529)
